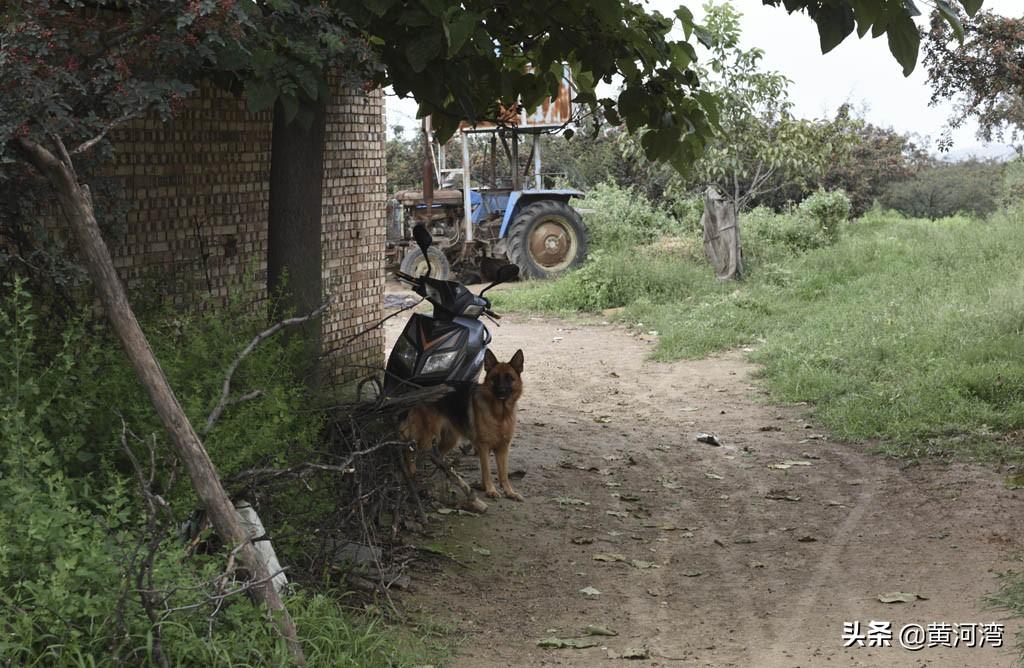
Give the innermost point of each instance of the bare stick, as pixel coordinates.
(476, 504)
(225, 390)
(301, 470)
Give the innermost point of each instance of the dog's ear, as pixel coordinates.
(490, 361)
(517, 361)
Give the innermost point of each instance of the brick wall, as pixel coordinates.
(354, 197)
(199, 191)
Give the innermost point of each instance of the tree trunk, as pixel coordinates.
(76, 203)
(722, 235)
(294, 254)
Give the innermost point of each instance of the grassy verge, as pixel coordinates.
(906, 331)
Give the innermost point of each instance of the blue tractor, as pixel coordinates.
(478, 227)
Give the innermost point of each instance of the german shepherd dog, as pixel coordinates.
(484, 414)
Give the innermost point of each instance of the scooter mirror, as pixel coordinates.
(422, 237)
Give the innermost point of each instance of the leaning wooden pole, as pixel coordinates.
(76, 203)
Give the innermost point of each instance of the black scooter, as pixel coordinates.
(448, 346)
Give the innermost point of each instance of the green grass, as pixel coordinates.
(905, 331)
(1010, 597)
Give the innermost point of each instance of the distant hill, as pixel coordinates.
(997, 152)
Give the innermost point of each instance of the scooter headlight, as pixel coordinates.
(405, 352)
(439, 362)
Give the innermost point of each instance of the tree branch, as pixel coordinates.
(89, 143)
(263, 475)
(225, 392)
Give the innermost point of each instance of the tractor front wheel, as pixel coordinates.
(546, 239)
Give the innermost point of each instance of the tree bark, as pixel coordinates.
(294, 254)
(76, 204)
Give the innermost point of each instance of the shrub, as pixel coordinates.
(971, 188)
(73, 532)
(829, 209)
(1013, 183)
(688, 211)
(770, 237)
(622, 217)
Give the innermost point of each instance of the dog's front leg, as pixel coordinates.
(485, 472)
(501, 455)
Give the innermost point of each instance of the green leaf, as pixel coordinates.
(459, 31)
(608, 11)
(947, 12)
(971, 6)
(834, 25)
(260, 95)
(420, 51)
(290, 103)
(379, 7)
(904, 43)
(685, 17)
(703, 36)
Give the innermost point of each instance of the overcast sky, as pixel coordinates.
(860, 71)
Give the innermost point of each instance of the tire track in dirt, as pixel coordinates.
(764, 597)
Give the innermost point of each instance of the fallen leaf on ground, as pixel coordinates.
(482, 551)
(569, 501)
(629, 497)
(900, 597)
(710, 439)
(789, 463)
(603, 419)
(608, 556)
(582, 540)
(568, 643)
(692, 574)
(781, 495)
(641, 564)
(713, 476)
(595, 630)
(590, 591)
(807, 539)
(630, 653)
(616, 513)
(745, 540)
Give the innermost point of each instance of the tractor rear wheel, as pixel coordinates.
(414, 263)
(546, 239)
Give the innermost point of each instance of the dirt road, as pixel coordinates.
(735, 563)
